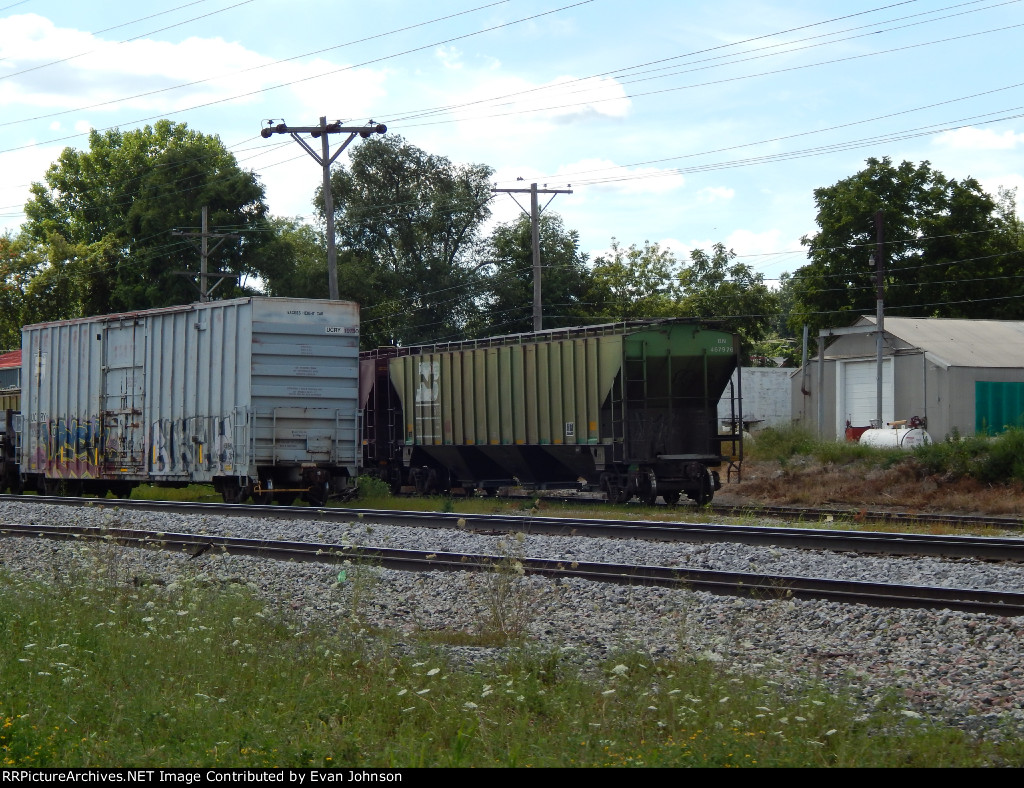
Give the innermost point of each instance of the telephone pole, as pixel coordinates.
(534, 214)
(204, 254)
(325, 158)
(878, 261)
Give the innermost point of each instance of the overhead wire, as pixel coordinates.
(133, 38)
(622, 71)
(303, 79)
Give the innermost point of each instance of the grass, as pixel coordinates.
(97, 671)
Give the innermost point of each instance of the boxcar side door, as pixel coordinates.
(122, 396)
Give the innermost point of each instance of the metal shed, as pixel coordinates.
(963, 375)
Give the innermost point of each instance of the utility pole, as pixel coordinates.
(325, 158)
(878, 261)
(534, 214)
(204, 254)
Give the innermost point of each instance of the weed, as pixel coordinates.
(506, 594)
(372, 487)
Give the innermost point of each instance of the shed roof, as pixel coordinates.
(961, 343)
(12, 359)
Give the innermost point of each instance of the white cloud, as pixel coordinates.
(979, 139)
(94, 72)
(715, 193)
(21, 168)
(450, 57)
(748, 242)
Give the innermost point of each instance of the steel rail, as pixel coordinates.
(879, 543)
(1001, 603)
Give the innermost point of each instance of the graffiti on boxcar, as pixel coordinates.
(71, 448)
(182, 446)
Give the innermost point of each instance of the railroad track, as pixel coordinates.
(975, 547)
(1000, 603)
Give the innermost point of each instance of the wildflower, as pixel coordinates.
(401, 692)
(608, 692)
(652, 708)
(147, 619)
(723, 700)
(433, 671)
(620, 670)
(470, 705)
(912, 714)
(423, 691)
(831, 732)
(800, 719)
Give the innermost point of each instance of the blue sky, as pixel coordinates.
(680, 123)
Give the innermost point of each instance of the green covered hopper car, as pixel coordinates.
(628, 408)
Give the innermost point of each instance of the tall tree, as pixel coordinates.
(715, 286)
(947, 253)
(117, 203)
(507, 303)
(407, 223)
(634, 283)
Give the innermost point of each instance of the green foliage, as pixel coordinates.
(992, 460)
(97, 238)
(784, 444)
(199, 673)
(715, 287)
(779, 444)
(507, 305)
(948, 251)
(407, 223)
(634, 283)
(294, 260)
(373, 488)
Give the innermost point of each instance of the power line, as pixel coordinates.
(304, 79)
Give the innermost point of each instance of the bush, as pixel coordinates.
(780, 444)
(987, 459)
(373, 487)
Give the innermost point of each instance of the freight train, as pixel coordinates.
(270, 399)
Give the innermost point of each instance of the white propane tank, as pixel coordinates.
(897, 438)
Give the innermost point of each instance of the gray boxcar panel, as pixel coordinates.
(193, 393)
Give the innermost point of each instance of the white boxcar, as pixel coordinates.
(257, 396)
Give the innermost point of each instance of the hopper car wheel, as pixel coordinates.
(263, 498)
(51, 487)
(121, 489)
(617, 494)
(671, 497)
(705, 492)
(234, 494)
(285, 499)
(648, 488)
(317, 495)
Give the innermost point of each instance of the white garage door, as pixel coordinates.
(858, 393)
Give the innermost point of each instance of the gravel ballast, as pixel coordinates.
(961, 668)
